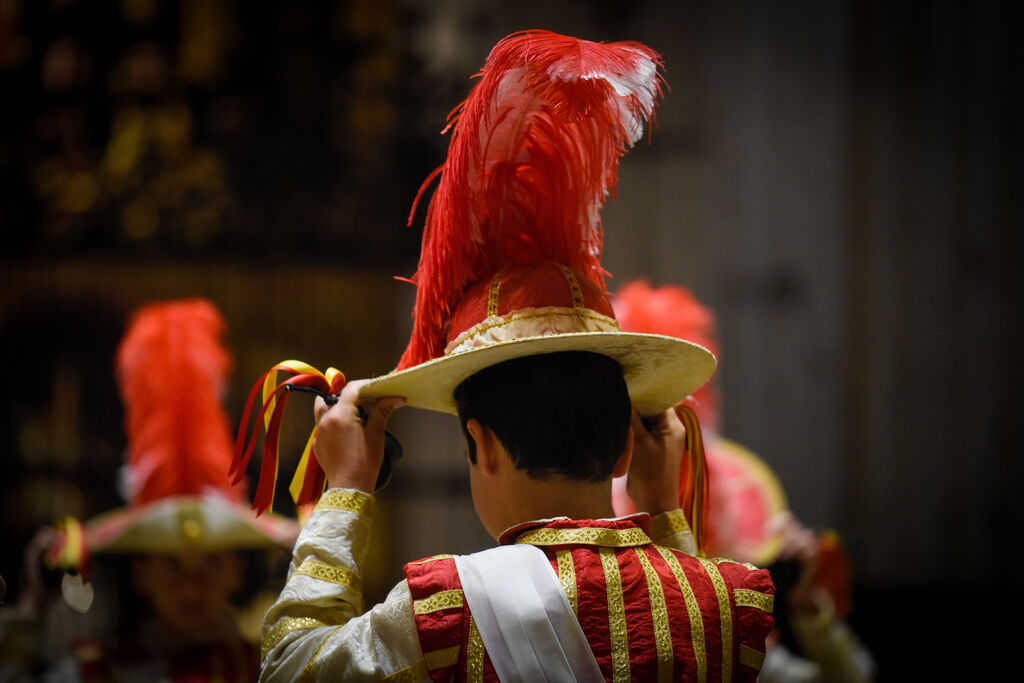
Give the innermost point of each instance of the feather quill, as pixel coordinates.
(533, 155)
(171, 369)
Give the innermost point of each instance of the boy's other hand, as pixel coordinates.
(653, 482)
(349, 440)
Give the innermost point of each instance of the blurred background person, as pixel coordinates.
(747, 517)
(173, 568)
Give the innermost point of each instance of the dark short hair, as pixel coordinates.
(564, 413)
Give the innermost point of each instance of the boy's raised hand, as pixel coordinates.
(349, 440)
(658, 443)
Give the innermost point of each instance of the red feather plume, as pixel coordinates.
(533, 155)
(171, 369)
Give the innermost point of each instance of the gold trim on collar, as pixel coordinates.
(331, 573)
(748, 598)
(607, 538)
(668, 524)
(438, 601)
(435, 558)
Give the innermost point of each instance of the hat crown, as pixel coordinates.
(528, 301)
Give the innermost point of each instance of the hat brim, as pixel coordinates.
(188, 524)
(659, 371)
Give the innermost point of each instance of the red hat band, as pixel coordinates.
(528, 301)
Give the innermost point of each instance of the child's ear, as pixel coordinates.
(486, 446)
(621, 468)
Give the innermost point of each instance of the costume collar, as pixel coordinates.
(618, 532)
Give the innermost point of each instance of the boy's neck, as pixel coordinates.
(529, 499)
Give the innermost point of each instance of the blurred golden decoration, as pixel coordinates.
(141, 69)
(372, 118)
(140, 219)
(367, 19)
(208, 32)
(172, 130)
(64, 66)
(139, 12)
(80, 193)
(125, 146)
(14, 48)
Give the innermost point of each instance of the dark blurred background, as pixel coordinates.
(837, 180)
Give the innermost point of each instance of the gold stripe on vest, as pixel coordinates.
(567, 576)
(474, 654)
(659, 617)
(616, 616)
(724, 613)
(608, 538)
(438, 601)
(692, 610)
(331, 573)
(748, 598)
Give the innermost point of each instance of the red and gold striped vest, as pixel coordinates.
(650, 613)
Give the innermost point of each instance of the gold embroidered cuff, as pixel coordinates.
(608, 538)
(286, 626)
(751, 657)
(410, 674)
(329, 572)
(668, 524)
(748, 598)
(438, 601)
(439, 659)
(351, 500)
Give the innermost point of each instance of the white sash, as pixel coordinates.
(524, 618)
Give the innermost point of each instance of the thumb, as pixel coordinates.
(377, 419)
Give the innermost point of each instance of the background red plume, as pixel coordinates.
(674, 312)
(171, 369)
(533, 156)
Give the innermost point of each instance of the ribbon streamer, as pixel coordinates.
(69, 550)
(310, 480)
(693, 484)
